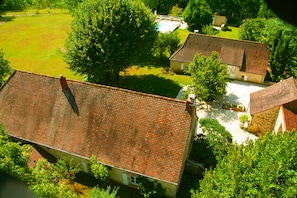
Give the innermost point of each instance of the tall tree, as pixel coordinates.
(279, 38)
(5, 69)
(251, 29)
(197, 14)
(212, 145)
(264, 11)
(166, 44)
(209, 76)
(265, 168)
(107, 37)
(161, 6)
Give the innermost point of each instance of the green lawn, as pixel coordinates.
(232, 33)
(33, 41)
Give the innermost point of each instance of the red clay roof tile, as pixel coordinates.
(290, 119)
(281, 93)
(143, 133)
(253, 56)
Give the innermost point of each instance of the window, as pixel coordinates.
(134, 180)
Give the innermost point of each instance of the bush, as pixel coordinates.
(165, 45)
(265, 168)
(100, 171)
(14, 5)
(96, 192)
(213, 145)
(149, 188)
(209, 30)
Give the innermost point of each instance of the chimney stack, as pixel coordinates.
(63, 83)
(191, 103)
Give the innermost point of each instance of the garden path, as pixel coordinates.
(238, 92)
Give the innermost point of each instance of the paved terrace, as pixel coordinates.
(237, 92)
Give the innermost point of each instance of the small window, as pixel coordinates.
(134, 180)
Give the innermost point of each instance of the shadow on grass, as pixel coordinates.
(150, 84)
(6, 18)
(150, 60)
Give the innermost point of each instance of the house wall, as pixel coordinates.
(82, 163)
(122, 176)
(278, 126)
(115, 174)
(234, 72)
(264, 121)
(178, 67)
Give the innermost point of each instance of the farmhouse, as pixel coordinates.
(136, 134)
(246, 60)
(274, 109)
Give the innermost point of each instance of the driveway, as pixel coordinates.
(237, 92)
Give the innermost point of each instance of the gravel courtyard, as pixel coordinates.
(237, 92)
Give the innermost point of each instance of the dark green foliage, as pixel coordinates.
(5, 69)
(14, 5)
(281, 41)
(236, 10)
(264, 11)
(211, 146)
(265, 168)
(209, 76)
(149, 188)
(161, 6)
(166, 44)
(107, 37)
(251, 29)
(197, 14)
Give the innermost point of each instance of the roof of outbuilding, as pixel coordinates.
(137, 132)
(282, 93)
(290, 119)
(251, 57)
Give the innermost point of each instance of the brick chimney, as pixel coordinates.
(191, 103)
(63, 83)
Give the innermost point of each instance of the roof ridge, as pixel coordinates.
(232, 39)
(107, 87)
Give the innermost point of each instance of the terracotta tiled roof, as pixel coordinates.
(282, 93)
(143, 133)
(34, 157)
(251, 57)
(290, 119)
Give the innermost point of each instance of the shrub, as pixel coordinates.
(149, 188)
(213, 145)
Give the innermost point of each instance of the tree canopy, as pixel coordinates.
(279, 37)
(264, 168)
(197, 14)
(45, 179)
(209, 76)
(5, 69)
(107, 37)
(212, 145)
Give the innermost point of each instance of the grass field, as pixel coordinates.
(33, 41)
